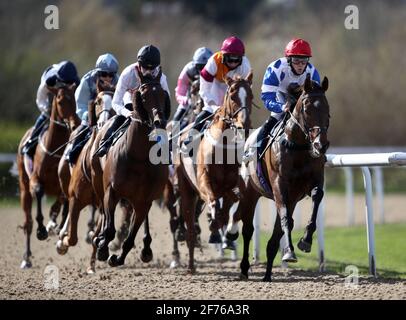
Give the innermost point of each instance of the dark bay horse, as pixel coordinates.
(211, 178)
(42, 177)
(127, 171)
(292, 168)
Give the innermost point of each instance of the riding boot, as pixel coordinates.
(30, 145)
(78, 143)
(262, 138)
(179, 114)
(107, 140)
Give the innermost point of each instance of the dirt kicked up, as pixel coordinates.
(215, 278)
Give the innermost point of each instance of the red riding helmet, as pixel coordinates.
(233, 45)
(298, 47)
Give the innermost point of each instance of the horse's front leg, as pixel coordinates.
(305, 243)
(285, 207)
(109, 231)
(42, 232)
(146, 252)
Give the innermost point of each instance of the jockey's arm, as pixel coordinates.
(269, 89)
(42, 98)
(182, 89)
(206, 83)
(123, 85)
(167, 108)
(82, 97)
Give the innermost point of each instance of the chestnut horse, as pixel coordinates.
(42, 177)
(76, 183)
(212, 178)
(292, 168)
(127, 171)
(171, 192)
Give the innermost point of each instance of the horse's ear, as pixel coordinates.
(308, 85)
(228, 81)
(324, 84)
(249, 77)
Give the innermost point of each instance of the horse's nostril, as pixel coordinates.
(317, 145)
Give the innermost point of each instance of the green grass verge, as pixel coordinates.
(348, 246)
(11, 134)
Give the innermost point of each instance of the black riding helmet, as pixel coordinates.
(149, 57)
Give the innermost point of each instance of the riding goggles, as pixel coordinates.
(232, 59)
(300, 60)
(152, 72)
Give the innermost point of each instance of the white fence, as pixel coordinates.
(365, 161)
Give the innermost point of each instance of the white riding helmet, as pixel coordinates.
(107, 62)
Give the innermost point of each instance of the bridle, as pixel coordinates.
(307, 131)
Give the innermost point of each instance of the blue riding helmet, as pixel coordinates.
(201, 55)
(67, 73)
(107, 62)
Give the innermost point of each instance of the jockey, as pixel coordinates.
(229, 61)
(149, 65)
(106, 70)
(55, 76)
(189, 74)
(290, 70)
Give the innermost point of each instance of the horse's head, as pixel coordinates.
(151, 102)
(103, 103)
(238, 101)
(313, 112)
(64, 105)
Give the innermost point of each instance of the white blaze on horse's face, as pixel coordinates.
(242, 94)
(107, 105)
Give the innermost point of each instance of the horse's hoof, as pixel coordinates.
(231, 236)
(289, 256)
(146, 255)
(191, 271)
(61, 248)
(267, 278)
(215, 237)
(51, 228)
(304, 246)
(26, 264)
(91, 270)
(180, 235)
(42, 233)
(227, 244)
(243, 276)
(114, 261)
(102, 254)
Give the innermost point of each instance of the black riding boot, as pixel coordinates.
(30, 145)
(78, 143)
(107, 140)
(263, 134)
(179, 114)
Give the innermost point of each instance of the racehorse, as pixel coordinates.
(76, 183)
(171, 192)
(39, 176)
(212, 178)
(127, 172)
(292, 168)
